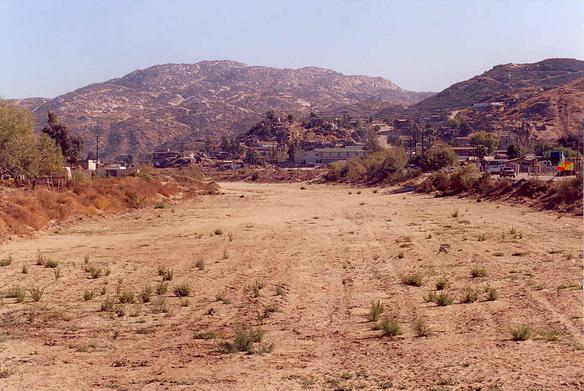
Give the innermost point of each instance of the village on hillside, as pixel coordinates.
(285, 142)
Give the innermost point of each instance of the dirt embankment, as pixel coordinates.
(27, 210)
(561, 194)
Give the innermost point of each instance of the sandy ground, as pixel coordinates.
(331, 253)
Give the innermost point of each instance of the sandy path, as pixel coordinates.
(332, 253)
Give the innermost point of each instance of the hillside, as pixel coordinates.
(547, 96)
(30, 103)
(167, 103)
(505, 80)
(550, 113)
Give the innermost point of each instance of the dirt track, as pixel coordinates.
(333, 253)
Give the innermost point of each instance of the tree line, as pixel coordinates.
(26, 155)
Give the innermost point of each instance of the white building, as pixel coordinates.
(328, 155)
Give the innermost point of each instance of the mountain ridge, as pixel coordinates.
(150, 107)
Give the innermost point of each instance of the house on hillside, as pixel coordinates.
(461, 141)
(464, 153)
(487, 105)
(506, 138)
(319, 156)
(402, 124)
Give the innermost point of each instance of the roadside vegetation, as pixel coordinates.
(386, 165)
(563, 194)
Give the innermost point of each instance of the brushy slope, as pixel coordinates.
(23, 210)
(562, 194)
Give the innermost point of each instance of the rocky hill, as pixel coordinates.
(505, 80)
(169, 103)
(550, 113)
(30, 103)
(547, 97)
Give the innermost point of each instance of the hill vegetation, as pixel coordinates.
(173, 103)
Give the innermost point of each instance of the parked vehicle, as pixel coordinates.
(492, 169)
(507, 172)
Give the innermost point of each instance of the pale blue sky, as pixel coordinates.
(50, 47)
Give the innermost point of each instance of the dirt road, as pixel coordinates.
(304, 265)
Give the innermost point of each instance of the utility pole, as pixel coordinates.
(578, 155)
(423, 140)
(578, 158)
(97, 149)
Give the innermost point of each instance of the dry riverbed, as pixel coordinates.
(302, 263)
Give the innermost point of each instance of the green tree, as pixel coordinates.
(386, 163)
(271, 114)
(513, 151)
(71, 146)
(253, 157)
(438, 156)
(50, 158)
(484, 142)
(18, 150)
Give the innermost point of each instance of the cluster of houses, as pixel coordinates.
(400, 132)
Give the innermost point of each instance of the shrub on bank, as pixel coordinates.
(385, 165)
(560, 194)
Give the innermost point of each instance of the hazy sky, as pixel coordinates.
(49, 47)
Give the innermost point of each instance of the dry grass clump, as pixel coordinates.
(222, 297)
(36, 293)
(244, 340)
(421, 328)
(94, 272)
(200, 264)
(442, 283)
(166, 273)
(515, 234)
(88, 295)
(15, 292)
(441, 299)
(280, 291)
(412, 279)
(107, 305)
(182, 290)
(6, 261)
(491, 292)
(126, 296)
(375, 311)
(146, 294)
(43, 260)
(469, 295)
(162, 288)
(205, 335)
(521, 332)
(550, 335)
(159, 305)
(478, 272)
(389, 327)
(4, 372)
(255, 289)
